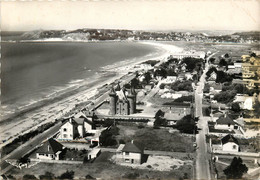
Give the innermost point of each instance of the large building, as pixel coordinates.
(75, 128)
(122, 102)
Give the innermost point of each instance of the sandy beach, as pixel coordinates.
(55, 109)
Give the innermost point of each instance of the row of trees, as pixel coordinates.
(225, 96)
(186, 125)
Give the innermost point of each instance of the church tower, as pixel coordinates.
(132, 100)
(113, 99)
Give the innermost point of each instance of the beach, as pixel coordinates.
(58, 104)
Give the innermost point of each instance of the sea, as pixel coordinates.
(35, 71)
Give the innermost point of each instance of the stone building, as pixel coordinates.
(122, 102)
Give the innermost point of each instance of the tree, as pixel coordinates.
(212, 60)
(257, 108)
(159, 119)
(222, 63)
(253, 55)
(187, 125)
(225, 96)
(147, 77)
(134, 82)
(235, 107)
(236, 169)
(223, 77)
(226, 55)
(107, 136)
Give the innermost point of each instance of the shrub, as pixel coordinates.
(29, 176)
(140, 126)
(89, 177)
(67, 175)
(47, 176)
(131, 175)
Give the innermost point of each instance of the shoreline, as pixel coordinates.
(69, 99)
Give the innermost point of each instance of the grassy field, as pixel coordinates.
(103, 168)
(156, 139)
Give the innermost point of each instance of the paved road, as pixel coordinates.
(202, 158)
(27, 147)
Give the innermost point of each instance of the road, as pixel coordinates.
(202, 157)
(28, 146)
(37, 140)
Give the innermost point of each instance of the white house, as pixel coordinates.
(230, 143)
(245, 102)
(129, 153)
(75, 127)
(225, 122)
(50, 150)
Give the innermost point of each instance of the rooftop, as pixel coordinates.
(50, 146)
(225, 119)
(229, 138)
(133, 147)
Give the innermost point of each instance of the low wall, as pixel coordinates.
(257, 155)
(57, 161)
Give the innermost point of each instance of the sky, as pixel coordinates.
(243, 15)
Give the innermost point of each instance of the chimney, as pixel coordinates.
(70, 120)
(132, 141)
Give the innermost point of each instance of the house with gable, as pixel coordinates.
(225, 122)
(131, 153)
(75, 127)
(50, 150)
(229, 143)
(213, 76)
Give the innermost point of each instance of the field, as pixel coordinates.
(103, 168)
(156, 139)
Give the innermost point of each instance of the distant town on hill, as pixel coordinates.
(132, 35)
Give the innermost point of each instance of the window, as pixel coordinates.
(65, 129)
(126, 153)
(64, 135)
(127, 160)
(234, 146)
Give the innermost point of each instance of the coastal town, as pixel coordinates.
(193, 114)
